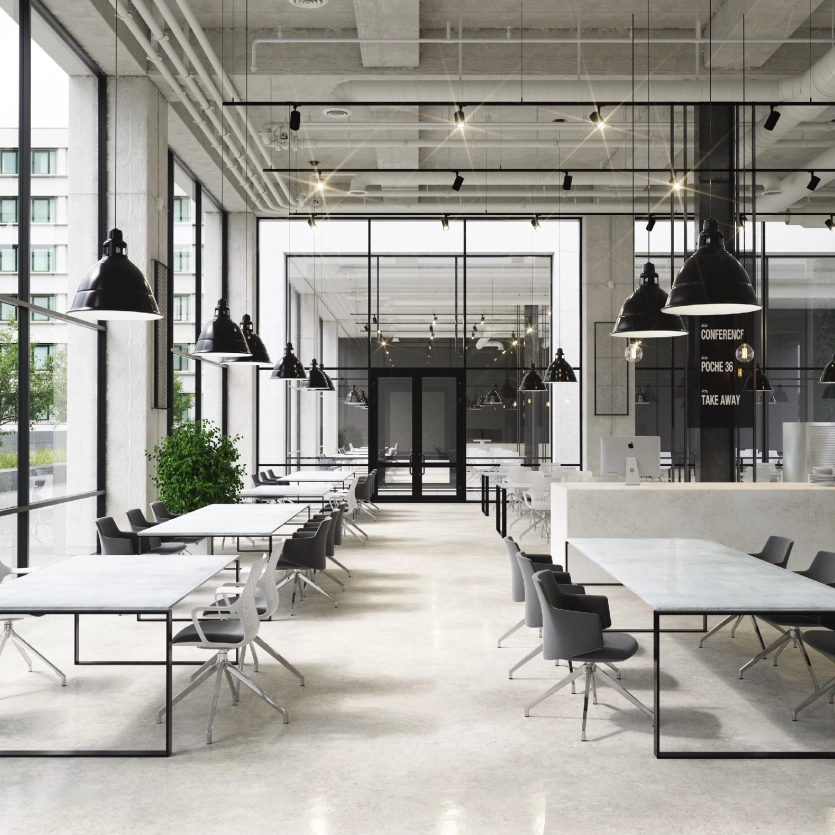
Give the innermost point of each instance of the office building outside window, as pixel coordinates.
(43, 210)
(8, 210)
(44, 161)
(49, 302)
(8, 161)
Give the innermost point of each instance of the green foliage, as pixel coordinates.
(47, 382)
(183, 401)
(37, 458)
(196, 466)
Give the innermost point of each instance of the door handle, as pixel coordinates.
(411, 457)
(422, 463)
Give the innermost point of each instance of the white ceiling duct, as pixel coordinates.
(485, 342)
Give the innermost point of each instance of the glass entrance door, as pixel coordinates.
(416, 434)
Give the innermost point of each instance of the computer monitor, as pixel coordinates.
(643, 452)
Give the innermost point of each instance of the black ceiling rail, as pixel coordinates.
(574, 169)
(490, 103)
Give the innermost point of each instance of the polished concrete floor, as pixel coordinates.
(408, 722)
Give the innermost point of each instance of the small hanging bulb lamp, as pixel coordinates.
(559, 371)
(532, 381)
(221, 337)
(642, 316)
(763, 383)
(711, 281)
(290, 367)
(114, 287)
(353, 398)
(744, 352)
(634, 352)
(259, 355)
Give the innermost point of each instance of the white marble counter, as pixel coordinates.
(740, 516)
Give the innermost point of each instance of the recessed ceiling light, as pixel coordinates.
(336, 112)
(308, 4)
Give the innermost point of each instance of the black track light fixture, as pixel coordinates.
(829, 223)
(650, 223)
(741, 220)
(535, 223)
(295, 118)
(566, 181)
(460, 119)
(814, 181)
(457, 182)
(675, 183)
(311, 221)
(597, 119)
(772, 118)
(445, 223)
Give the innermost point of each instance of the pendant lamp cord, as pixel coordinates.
(115, 107)
(649, 121)
(632, 37)
(246, 158)
(710, 106)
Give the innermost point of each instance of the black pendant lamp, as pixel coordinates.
(258, 355)
(290, 367)
(507, 391)
(316, 379)
(641, 397)
(353, 398)
(331, 386)
(221, 337)
(828, 375)
(532, 381)
(711, 281)
(559, 371)
(642, 317)
(493, 398)
(763, 383)
(475, 405)
(114, 287)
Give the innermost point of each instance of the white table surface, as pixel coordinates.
(318, 475)
(110, 583)
(699, 575)
(254, 520)
(286, 491)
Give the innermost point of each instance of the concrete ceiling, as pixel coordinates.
(305, 72)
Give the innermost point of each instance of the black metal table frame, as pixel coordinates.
(711, 755)
(168, 663)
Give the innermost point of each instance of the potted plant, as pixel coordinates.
(197, 466)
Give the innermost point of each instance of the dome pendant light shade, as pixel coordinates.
(290, 367)
(258, 355)
(642, 317)
(364, 400)
(828, 375)
(331, 386)
(221, 337)
(763, 383)
(493, 397)
(114, 287)
(507, 391)
(559, 371)
(474, 406)
(532, 381)
(711, 281)
(353, 398)
(316, 379)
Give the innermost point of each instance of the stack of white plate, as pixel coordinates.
(822, 475)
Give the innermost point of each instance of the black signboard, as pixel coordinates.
(721, 375)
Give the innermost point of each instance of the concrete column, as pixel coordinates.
(608, 269)
(140, 127)
(241, 405)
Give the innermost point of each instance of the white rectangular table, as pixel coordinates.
(328, 476)
(287, 491)
(232, 520)
(111, 585)
(701, 577)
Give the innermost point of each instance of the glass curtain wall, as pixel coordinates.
(364, 296)
(51, 202)
(197, 227)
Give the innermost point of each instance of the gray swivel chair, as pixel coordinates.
(267, 477)
(364, 491)
(153, 544)
(161, 512)
(9, 633)
(776, 551)
(237, 628)
(310, 529)
(338, 529)
(822, 570)
(573, 629)
(517, 585)
(114, 541)
(533, 611)
(304, 554)
(822, 640)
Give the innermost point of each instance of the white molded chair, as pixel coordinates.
(236, 628)
(9, 634)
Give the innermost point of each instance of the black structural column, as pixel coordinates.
(712, 435)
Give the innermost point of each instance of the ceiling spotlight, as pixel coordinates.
(651, 223)
(295, 118)
(597, 119)
(482, 319)
(741, 221)
(445, 223)
(814, 181)
(535, 223)
(829, 223)
(320, 184)
(772, 119)
(460, 120)
(674, 182)
(434, 319)
(311, 222)
(457, 182)
(566, 182)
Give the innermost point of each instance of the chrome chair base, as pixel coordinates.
(22, 646)
(300, 580)
(510, 632)
(791, 635)
(221, 668)
(725, 622)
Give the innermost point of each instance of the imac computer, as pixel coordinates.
(631, 458)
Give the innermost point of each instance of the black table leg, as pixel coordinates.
(656, 683)
(169, 680)
(504, 512)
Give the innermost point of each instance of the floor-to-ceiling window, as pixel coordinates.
(51, 228)
(365, 297)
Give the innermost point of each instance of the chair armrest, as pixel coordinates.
(596, 604)
(222, 593)
(213, 610)
(571, 588)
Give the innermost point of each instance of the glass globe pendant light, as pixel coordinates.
(634, 352)
(744, 352)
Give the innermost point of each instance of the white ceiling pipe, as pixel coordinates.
(544, 210)
(197, 94)
(793, 187)
(253, 148)
(226, 84)
(199, 120)
(415, 179)
(470, 144)
(342, 125)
